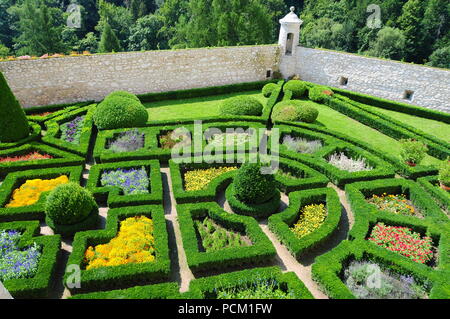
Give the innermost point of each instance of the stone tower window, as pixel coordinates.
(289, 43)
(343, 81)
(269, 73)
(408, 95)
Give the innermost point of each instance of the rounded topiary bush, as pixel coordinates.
(241, 105)
(70, 208)
(251, 186)
(123, 94)
(308, 114)
(286, 111)
(268, 89)
(120, 112)
(319, 93)
(298, 88)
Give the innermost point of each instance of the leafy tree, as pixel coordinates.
(109, 41)
(440, 58)
(409, 23)
(88, 43)
(146, 35)
(13, 122)
(6, 21)
(140, 8)
(39, 28)
(4, 51)
(390, 44)
(119, 19)
(435, 24)
(328, 34)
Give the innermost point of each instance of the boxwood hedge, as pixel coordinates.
(431, 185)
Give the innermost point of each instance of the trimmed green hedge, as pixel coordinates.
(168, 290)
(56, 110)
(396, 106)
(114, 195)
(198, 92)
(384, 125)
(123, 276)
(328, 268)
(365, 212)
(206, 288)
(39, 286)
(318, 161)
(16, 179)
(280, 223)
(35, 132)
(60, 158)
(431, 185)
(261, 250)
(53, 135)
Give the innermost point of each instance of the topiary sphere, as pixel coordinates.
(308, 114)
(286, 111)
(69, 204)
(119, 112)
(253, 187)
(319, 93)
(123, 94)
(268, 89)
(241, 105)
(298, 88)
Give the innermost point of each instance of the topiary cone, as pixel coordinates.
(13, 122)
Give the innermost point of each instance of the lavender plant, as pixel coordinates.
(345, 163)
(302, 145)
(16, 263)
(71, 131)
(128, 141)
(368, 280)
(130, 181)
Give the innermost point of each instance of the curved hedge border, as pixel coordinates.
(261, 250)
(39, 285)
(280, 223)
(331, 145)
(114, 196)
(123, 276)
(16, 179)
(327, 269)
(431, 185)
(168, 290)
(400, 167)
(56, 109)
(35, 133)
(60, 158)
(366, 217)
(205, 288)
(52, 137)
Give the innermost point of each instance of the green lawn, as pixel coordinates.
(438, 129)
(340, 123)
(193, 108)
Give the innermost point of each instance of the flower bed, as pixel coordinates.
(30, 192)
(302, 145)
(403, 241)
(199, 179)
(167, 142)
(16, 263)
(131, 181)
(71, 131)
(32, 156)
(311, 218)
(229, 139)
(128, 141)
(133, 244)
(215, 237)
(397, 204)
(258, 289)
(368, 280)
(346, 163)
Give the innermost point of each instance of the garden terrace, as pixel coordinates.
(327, 211)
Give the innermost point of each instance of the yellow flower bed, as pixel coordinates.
(311, 218)
(133, 244)
(198, 179)
(30, 192)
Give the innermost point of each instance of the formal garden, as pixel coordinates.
(94, 204)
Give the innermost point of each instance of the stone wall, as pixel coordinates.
(382, 78)
(74, 79)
